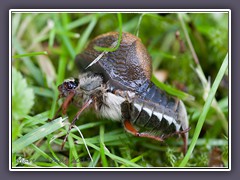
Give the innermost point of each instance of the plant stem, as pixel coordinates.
(205, 110)
(202, 77)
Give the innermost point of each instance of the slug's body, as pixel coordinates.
(118, 86)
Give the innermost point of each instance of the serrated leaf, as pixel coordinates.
(22, 96)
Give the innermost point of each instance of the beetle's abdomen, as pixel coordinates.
(158, 113)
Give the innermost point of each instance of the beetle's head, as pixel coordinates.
(68, 86)
(87, 84)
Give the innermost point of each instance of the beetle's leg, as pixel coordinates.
(183, 133)
(65, 104)
(185, 143)
(128, 126)
(125, 94)
(86, 104)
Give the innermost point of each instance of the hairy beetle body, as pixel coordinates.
(118, 86)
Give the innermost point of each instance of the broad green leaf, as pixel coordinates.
(22, 96)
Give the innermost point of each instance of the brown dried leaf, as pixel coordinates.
(215, 158)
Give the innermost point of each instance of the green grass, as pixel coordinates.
(44, 46)
(205, 110)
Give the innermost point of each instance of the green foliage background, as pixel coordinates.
(44, 46)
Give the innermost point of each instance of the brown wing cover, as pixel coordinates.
(129, 67)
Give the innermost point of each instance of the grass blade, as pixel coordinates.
(206, 108)
(102, 147)
(37, 134)
(30, 54)
(172, 91)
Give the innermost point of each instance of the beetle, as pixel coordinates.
(117, 84)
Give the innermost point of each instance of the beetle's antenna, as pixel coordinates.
(86, 104)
